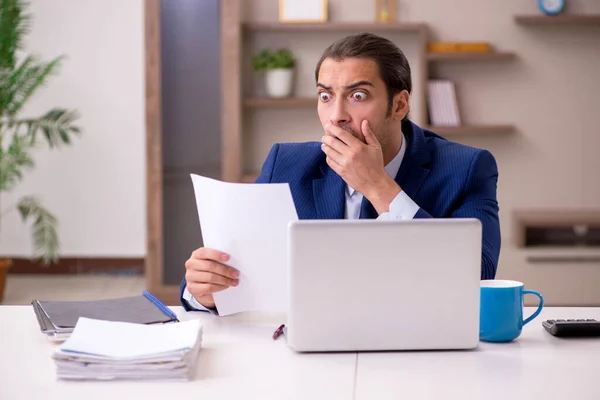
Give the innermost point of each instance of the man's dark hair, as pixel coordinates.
(393, 65)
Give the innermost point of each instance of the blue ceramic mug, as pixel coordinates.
(501, 310)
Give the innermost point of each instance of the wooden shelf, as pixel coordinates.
(491, 56)
(254, 102)
(562, 255)
(556, 217)
(558, 20)
(528, 218)
(483, 130)
(336, 26)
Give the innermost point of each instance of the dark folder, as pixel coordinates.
(58, 318)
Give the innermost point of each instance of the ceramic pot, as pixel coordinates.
(279, 82)
(5, 264)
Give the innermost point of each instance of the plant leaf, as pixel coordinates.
(13, 160)
(45, 235)
(25, 80)
(14, 25)
(57, 126)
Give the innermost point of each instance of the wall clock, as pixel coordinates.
(551, 7)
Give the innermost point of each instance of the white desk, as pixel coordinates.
(239, 360)
(536, 366)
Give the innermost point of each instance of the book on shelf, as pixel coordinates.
(442, 103)
(459, 47)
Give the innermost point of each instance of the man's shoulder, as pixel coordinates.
(298, 153)
(445, 150)
(299, 146)
(295, 160)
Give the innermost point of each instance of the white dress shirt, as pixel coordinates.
(401, 208)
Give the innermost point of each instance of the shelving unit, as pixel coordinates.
(524, 218)
(257, 102)
(468, 57)
(335, 27)
(558, 20)
(478, 130)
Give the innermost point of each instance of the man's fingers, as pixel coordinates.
(204, 253)
(202, 289)
(212, 266)
(370, 137)
(334, 156)
(331, 152)
(221, 269)
(208, 277)
(335, 144)
(342, 135)
(333, 164)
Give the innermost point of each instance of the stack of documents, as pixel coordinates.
(107, 350)
(58, 318)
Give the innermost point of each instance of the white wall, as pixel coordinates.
(96, 188)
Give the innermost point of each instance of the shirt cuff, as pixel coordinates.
(195, 304)
(401, 208)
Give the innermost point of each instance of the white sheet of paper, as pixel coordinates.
(124, 340)
(249, 222)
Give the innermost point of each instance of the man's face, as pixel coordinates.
(351, 90)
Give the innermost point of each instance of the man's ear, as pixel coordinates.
(400, 105)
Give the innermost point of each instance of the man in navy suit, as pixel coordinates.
(371, 162)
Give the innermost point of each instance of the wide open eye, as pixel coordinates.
(324, 96)
(359, 96)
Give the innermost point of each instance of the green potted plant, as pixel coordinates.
(278, 66)
(21, 76)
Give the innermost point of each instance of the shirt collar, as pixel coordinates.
(391, 168)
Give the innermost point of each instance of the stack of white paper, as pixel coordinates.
(105, 350)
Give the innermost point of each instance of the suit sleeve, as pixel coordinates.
(479, 201)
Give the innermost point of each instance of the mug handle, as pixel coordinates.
(536, 313)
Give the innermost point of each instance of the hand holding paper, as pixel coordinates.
(249, 223)
(206, 274)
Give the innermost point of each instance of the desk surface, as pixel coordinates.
(239, 360)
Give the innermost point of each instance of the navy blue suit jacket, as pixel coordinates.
(445, 179)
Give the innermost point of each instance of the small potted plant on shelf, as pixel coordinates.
(278, 66)
(20, 77)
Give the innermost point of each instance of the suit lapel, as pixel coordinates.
(328, 193)
(415, 165)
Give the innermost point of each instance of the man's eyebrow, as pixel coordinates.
(351, 86)
(359, 83)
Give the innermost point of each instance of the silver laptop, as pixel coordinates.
(368, 285)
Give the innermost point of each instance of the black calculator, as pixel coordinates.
(572, 327)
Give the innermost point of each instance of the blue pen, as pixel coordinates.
(160, 305)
